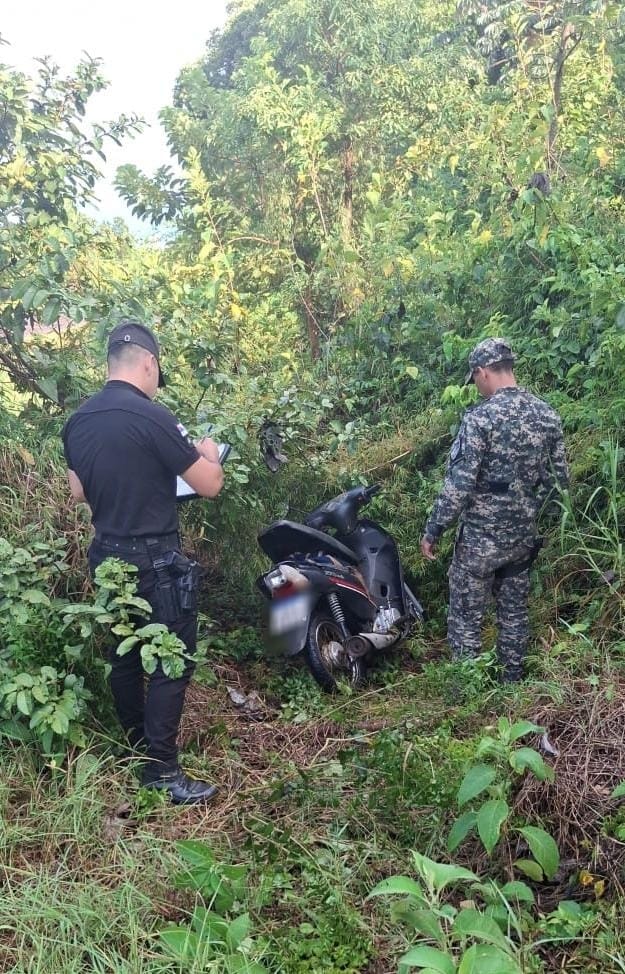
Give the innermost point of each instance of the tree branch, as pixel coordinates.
(563, 54)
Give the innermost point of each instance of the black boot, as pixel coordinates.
(182, 789)
(511, 674)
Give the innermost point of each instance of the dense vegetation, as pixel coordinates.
(364, 190)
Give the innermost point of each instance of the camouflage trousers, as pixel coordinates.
(480, 571)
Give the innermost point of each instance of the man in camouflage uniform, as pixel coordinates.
(506, 459)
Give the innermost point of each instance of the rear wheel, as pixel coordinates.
(326, 655)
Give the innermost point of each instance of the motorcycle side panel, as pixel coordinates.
(356, 605)
(378, 561)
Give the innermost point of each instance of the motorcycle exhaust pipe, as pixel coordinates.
(364, 642)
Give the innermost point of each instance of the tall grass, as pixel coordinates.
(593, 552)
(80, 891)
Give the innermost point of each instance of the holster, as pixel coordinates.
(177, 582)
(518, 567)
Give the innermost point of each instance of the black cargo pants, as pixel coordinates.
(150, 715)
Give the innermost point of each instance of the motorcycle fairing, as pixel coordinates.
(378, 561)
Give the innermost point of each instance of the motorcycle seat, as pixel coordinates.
(283, 539)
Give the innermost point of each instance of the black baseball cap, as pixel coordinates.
(134, 333)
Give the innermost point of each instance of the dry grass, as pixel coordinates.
(588, 731)
(36, 505)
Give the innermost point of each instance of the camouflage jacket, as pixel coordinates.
(506, 459)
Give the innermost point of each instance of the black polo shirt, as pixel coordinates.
(127, 452)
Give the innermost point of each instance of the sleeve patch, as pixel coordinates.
(457, 449)
(184, 433)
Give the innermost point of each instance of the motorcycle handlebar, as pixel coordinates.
(323, 515)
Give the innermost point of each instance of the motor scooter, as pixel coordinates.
(338, 598)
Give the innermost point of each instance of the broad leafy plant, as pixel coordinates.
(43, 657)
(462, 940)
(217, 936)
(500, 760)
(492, 931)
(50, 662)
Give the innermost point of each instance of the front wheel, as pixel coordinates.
(326, 656)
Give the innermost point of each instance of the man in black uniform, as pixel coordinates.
(123, 453)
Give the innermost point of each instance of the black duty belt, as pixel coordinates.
(501, 487)
(128, 545)
(494, 487)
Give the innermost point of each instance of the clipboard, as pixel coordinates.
(186, 493)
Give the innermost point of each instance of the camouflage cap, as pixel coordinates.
(489, 352)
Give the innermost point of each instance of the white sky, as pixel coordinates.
(143, 44)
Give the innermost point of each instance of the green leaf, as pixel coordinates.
(126, 645)
(14, 731)
(24, 702)
(39, 297)
(209, 925)
(543, 848)
(437, 875)
(503, 726)
(619, 791)
(122, 629)
(397, 885)
(29, 294)
(60, 723)
(239, 964)
(570, 909)
(472, 923)
(516, 890)
(51, 311)
(490, 747)
(522, 727)
(39, 716)
(79, 609)
(195, 852)
(24, 680)
(223, 898)
(530, 868)
(487, 959)
(503, 916)
(20, 288)
(34, 597)
(428, 957)
(424, 922)
(236, 873)
(527, 757)
(238, 930)
(181, 941)
(490, 818)
(460, 829)
(46, 740)
(475, 781)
